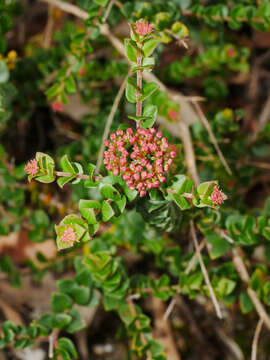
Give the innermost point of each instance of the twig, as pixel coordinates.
(52, 341)
(49, 29)
(225, 236)
(263, 118)
(204, 271)
(243, 273)
(169, 309)
(108, 10)
(110, 120)
(67, 174)
(163, 330)
(256, 339)
(213, 140)
(194, 258)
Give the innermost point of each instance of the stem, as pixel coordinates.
(67, 174)
(139, 85)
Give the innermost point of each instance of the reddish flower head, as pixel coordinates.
(173, 114)
(231, 52)
(69, 235)
(217, 196)
(31, 168)
(57, 106)
(143, 28)
(142, 158)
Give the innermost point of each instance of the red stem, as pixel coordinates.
(139, 85)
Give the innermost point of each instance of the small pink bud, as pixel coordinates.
(81, 72)
(143, 28)
(31, 168)
(129, 131)
(68, 235)
(216, 196)
(113, 136)
(142, 193)
(173, 154)
(173, 114)
(159, 134)
(136, 177)
(57, 106)
(162, 178)
(106, 143)
(119, 132)
(115, 172)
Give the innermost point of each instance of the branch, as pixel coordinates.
(110, 120)
(213, 140)
(256, 339)
(204, 271)
(243, 273)
(186, 112)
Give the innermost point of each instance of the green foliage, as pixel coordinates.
(117, 246)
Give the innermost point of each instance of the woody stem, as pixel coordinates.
(139, 85)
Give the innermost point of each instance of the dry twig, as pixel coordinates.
(212, 138)
(256, 339)
(243, 273)
(204, 271)
(109, 121)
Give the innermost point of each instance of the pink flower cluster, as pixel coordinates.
(217, 196)
(57, 106)
(142, 158)
(143, 28)
(69, 235)
(31, 168)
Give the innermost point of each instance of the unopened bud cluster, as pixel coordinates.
(141, 158)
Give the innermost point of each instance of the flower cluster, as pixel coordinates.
(31, 168)
(143, 28)
(57, 106)
(217, 196)
(69, 235)
(142, 158)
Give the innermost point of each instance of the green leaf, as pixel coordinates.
(130, 93)
(53, 90)
(219, 245)
(4, 72)
(80, 294)
(107, 211)
(61, 320)
(181, 201)
(149, 111)
(148, 90)
(101, 2)
(60, 302)
(131, 50)
(76, 323)
(87, 209)
(67, 345)
(70, 85)
(245, 303)
(149, 46)
(109, 192)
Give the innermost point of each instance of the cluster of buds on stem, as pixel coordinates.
(31, 168)
(141, 158)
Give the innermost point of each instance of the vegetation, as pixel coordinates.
(142, 129)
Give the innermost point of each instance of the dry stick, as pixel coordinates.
(49, 29)
(263, 118)
(256, 339)
(242, 271)
(187, 111)
(110, 120)
(194, 258)
(213, 140)
(108, 10)
(204, 271)
(218, 17)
